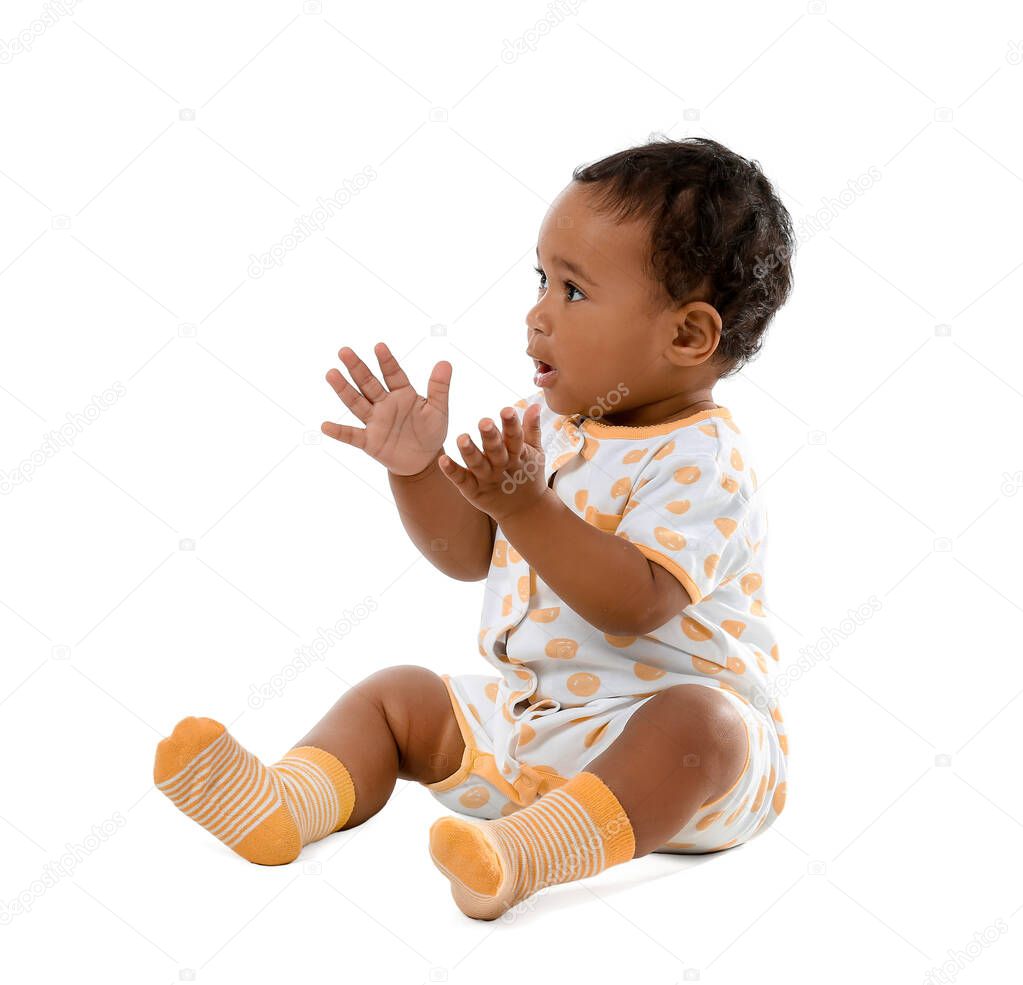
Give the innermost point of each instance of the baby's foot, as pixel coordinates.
(482, 876)
(570, 833)
(265, 814)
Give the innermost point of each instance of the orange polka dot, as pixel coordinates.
(757, 607)
(778, 801)
(776, 714)
(759, 799)
(526, 733)
(523, 587)
(771, 779)
(474, 797)
(647, 673)
(583, 684)
(735, 665)
(545, 615)
(665, 451)
(710, 563)
(593, 736)
(500, 558)
(491, 691)
(580, 499)
(678, 506)
(510, 808)
(669, 538)
(751, 582)
(710, 430)
(694, 630)
(733, 626)
(729, 484)
(633, 456)
(783, 741)
(475, 714)
(761, 662)
(523, 675)
(590, 447)
(506, 605)
(774, 652)
(621, 487)
(561, 648)
(726, 525)
(687, 475)
(513, 555)
(567, 457)
(736, 459)
(620, 641)
(708, 819)
(753, 476)
(706, 666)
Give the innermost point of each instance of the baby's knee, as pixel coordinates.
(705, 723)
(416, 705)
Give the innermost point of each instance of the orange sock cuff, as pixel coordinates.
(336, 772)
(612, 823)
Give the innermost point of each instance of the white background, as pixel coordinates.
(887, 446)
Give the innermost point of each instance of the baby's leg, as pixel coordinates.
(683, 748)
(396, 723)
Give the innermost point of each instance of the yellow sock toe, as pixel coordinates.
(265, 814)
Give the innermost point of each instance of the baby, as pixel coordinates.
(630, 705)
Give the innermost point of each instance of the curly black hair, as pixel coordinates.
(714, 219)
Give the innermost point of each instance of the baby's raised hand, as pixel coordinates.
(507, 476)
(403, 431)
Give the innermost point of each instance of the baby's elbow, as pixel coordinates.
(668, 599)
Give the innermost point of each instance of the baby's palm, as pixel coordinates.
(404, 431)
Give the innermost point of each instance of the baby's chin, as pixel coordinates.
(558, 403)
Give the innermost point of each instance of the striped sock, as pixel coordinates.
(265, 814)
(574, 831)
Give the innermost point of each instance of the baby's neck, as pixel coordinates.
(663, 411)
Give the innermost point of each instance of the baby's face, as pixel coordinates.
(598, 325)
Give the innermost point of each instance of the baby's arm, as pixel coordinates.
(433, 510)
(589, 568)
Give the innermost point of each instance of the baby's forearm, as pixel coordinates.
(449, 531)
(602, 577)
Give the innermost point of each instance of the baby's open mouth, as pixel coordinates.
(545, 373)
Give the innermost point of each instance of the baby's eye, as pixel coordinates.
(543, 278)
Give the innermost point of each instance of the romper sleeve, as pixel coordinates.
(687, 514)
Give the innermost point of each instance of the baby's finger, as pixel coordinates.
(360, 372)
(462, 478)
(471, 455)
(512, 432)
(342, 432)
(493, 444)
(352, 398)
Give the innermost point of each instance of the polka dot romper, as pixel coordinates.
(684, 493)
